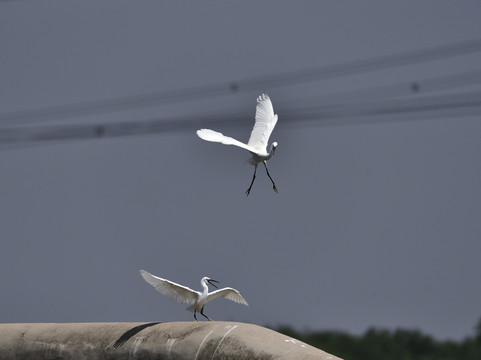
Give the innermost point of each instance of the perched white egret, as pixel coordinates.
(184, 295)
(257, 144)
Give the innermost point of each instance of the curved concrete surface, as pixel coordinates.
(173, 340)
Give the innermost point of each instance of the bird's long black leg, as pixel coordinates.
(195, 317)
(248, 191)
(202, 313)
(273, 183)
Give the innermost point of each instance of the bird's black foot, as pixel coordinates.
(275, 188)
(248, 191)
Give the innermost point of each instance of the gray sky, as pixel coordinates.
(377, 220)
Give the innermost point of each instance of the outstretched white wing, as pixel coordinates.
(265, 122)
(211, 135)
(181, 294)
(228, 293)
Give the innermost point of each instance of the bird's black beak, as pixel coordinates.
(210, 281)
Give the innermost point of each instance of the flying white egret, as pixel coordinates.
(257, 144)
(184, 295)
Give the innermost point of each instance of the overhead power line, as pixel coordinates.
(465, 103)
(262, 82)
(405, 88)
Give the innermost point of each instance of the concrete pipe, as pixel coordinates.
(171, 340)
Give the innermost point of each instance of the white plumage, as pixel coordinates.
(184, 295)
(265, 121)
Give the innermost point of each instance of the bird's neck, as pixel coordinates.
(271, 151)
(205, 287)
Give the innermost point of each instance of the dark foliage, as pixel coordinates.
(383, 344)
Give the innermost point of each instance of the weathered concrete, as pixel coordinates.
(169, 341)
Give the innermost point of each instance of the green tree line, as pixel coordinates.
(381, 344)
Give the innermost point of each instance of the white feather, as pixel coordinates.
(181, 294)
(228, 293)
(266, 120)
(184, 295)
(214, 136)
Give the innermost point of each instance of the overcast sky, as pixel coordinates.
(377, 219)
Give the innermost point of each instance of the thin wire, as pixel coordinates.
(407, 88)
(212, 90)
(460, 104)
